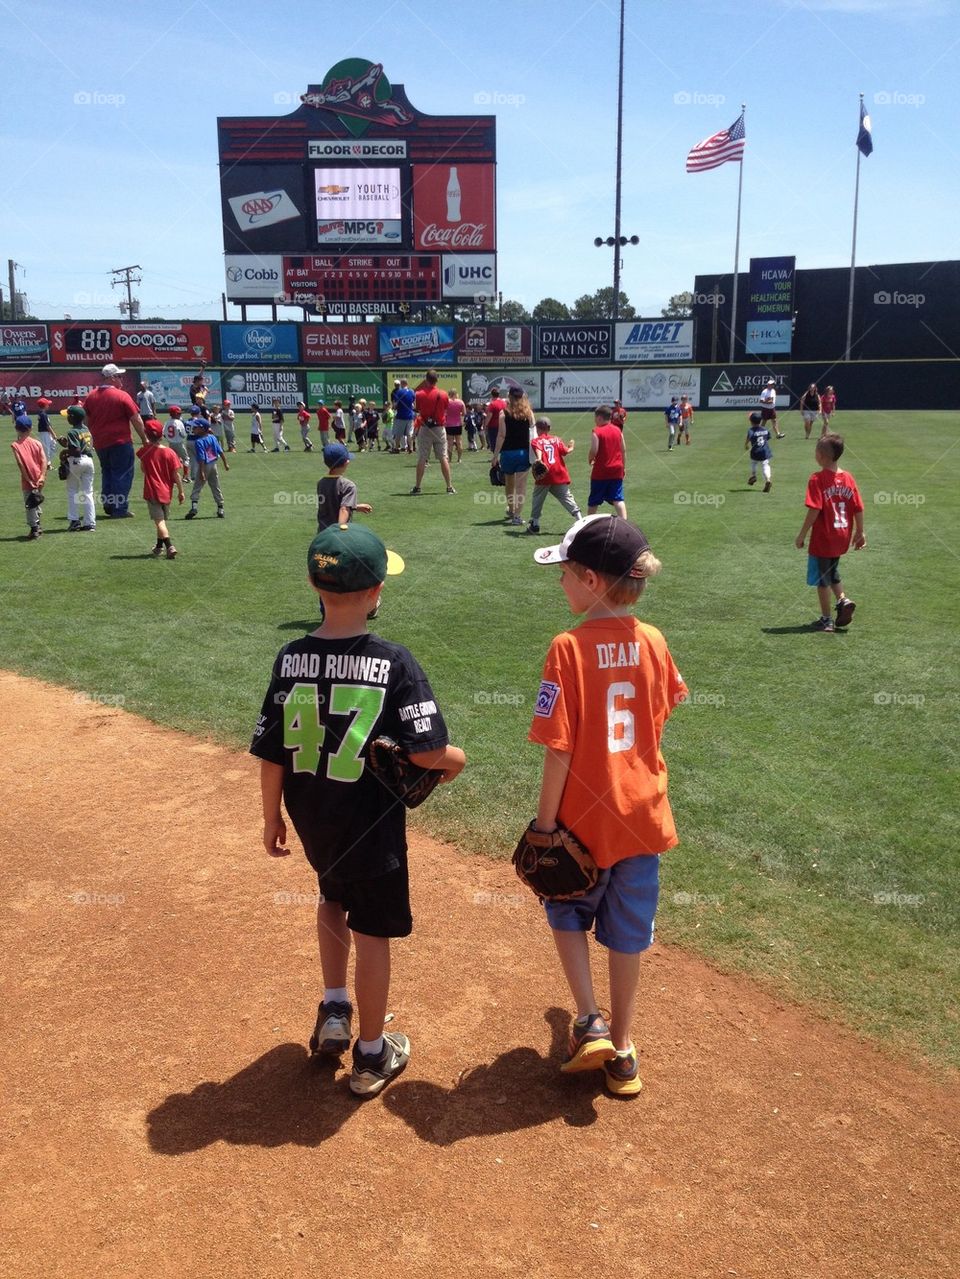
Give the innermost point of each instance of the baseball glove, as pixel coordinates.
(496, 475)
(34, 499)
(556, 866)
(539, 470)
(407, 782)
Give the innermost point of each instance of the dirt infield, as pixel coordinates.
(161, 1116)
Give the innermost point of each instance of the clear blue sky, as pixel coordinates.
(130, 175)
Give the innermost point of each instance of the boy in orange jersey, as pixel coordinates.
(608, 688)
(686, 418)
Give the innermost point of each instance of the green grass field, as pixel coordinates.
(813, 777)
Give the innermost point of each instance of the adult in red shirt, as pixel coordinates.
(432, 404)
(323, 424)
(111, 417)
(607, 464)
(619, 415)
(495, 407)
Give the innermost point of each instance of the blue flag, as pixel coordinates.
(865, 136)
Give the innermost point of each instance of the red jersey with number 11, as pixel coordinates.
(836, 496)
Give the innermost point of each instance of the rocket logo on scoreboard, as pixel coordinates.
(360, 95)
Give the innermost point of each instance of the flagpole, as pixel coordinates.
(736, 258)
(853, 251)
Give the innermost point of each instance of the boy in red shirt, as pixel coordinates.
(303, 418)
(161, 470)
(608, 687)
(834, 513)
(608, 457)
(323, 424)
(33, 465)
(554, 478)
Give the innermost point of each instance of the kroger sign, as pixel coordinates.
(259, 344)
(654, 340)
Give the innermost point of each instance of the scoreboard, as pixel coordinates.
(363, 279)
(358, 198)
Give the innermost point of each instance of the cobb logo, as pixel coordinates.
(235, 273)
(258, 339)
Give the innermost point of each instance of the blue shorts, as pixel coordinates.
(605, 491)
(823, 571)
(513, 461)
(622, 906)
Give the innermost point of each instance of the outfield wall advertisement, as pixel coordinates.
(654, 388)
(770, 306)
(580, 388)
(172, 386)
(580, 343)
(738, 386)
(330, 385)
(478, 383)
(59, 385)
(248, 386)
(24, 344)
(416, 344)
(105, 342)
(339, 344)
(655, 340)
(504, 343)
(259, 344)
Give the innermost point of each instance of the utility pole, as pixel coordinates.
(127, 282)
(11, 268)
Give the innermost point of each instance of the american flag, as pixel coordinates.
(716, 150)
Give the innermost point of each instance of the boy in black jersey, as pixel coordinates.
(331, 692)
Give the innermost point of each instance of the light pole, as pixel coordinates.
(617, 241)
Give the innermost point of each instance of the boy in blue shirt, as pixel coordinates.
(208, 450)
(758, 442)
(672, 415)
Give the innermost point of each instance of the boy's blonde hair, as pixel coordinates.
(626, 589)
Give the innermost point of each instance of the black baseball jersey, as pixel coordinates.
(327, 699)
(333, 492)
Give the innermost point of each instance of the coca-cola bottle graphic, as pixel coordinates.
(453, 196)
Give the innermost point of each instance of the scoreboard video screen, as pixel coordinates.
(357, 172)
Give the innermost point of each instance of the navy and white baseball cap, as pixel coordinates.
(605, 543)
(336, 455)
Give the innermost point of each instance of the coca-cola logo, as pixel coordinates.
(254, 208)
(466, 235)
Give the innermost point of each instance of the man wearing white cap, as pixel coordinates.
(768, 405)
(112, 415)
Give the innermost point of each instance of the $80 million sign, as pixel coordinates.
(106, 343)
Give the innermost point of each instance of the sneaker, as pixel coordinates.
(274, 450)
(781, 435)
(221, 513)
(823, 624)
(590, 1045)
(171, 552)
(87, 528)
(768, 486)
(34, 534)
(533, 528)
(73, 526)
(845, 611)
(286, 448)
(370, 1075)
(451, 489)
(752, 479)
(622, 1075)
(517, 521)
(157, 551)
(331, 1035)
(414, 491)
(191, 514)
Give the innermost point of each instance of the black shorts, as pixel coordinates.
(829, 570)
(768, 415)
(378, 907)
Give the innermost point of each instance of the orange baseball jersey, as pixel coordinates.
(608, 688)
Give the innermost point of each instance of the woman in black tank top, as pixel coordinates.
(512, 450)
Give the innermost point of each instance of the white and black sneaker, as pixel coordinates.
(371, 1074)
(331, 1035)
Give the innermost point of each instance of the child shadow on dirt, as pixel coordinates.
(287, 1097)
(519, 1089)
(284, 1097)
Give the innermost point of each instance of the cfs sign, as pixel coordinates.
(474, 275)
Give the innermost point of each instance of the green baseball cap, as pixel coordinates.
(350, 557)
